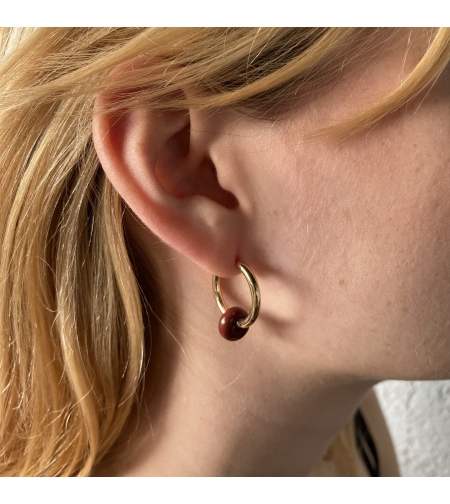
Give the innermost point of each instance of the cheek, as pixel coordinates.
(389, 270)
(414, 250)
(362, 238)
(400, 290)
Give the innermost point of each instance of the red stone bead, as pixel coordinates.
(228, 323)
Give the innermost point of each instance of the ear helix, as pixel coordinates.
(234, 322)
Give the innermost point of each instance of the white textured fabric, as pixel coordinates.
(418, 417)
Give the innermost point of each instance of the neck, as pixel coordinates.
(227, 429)
(236, 420)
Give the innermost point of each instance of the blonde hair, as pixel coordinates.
(72, 310)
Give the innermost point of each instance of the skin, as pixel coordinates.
(349, 241)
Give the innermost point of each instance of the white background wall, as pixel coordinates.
(418, 417)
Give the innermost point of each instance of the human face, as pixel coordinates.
(354, 235)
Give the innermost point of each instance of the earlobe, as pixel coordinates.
(166, 176)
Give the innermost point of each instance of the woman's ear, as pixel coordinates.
(159, 163)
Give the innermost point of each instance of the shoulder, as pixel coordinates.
(376, 424)
(343, 457)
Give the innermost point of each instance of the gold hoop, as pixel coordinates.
(254, 291)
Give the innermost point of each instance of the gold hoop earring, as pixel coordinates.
(234, 322)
